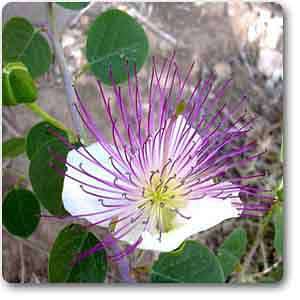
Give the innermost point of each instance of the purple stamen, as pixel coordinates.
(146, 154)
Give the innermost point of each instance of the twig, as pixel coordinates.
(244, 58)
(5, 164)
(59, 56)
(35, 278)
(35, 246)
(134, 13)
(268, 270)
(22, 263)
(11, 129)
(76, 19)
(264, 254)
(258, 239)
(248, 258)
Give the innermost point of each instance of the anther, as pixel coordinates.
(170, 178)
(165, 166)
(81, 168)
(182, 215)
(160, 234)
(151, 177)
(115, 180)
(129, 177)
(162, 205)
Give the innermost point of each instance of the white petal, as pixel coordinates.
(181, 124)
(75, 200)
(205, 213)
(179, 127)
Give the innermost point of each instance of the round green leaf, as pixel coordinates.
(232, 249)
(46, 182)
(13, 147)
(278, 223)
(22, 42)
(73, 5)
(20, 212)
(17, 84)
(114, 38)
(71, 241)
(195, 263)
(39, 135)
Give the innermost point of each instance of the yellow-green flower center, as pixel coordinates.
(165, 196)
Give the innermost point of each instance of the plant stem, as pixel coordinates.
(258, 239)
(269, 269)
(34, 107)
(123, 265)
(22, 263)
(59, 56)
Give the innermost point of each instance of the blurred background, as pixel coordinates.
(236, 39)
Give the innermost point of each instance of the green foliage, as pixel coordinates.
(71, 241)
(113, 39)
(39, 135)
(274, 276)
(280, 191)
(46, 182)
(20, 212)
(278, 223)
(232, 249)
(73, 5)
(193, 263)
(22, 42)
(17, 85)
(13, 147)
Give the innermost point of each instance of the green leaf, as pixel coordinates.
(17, 85)
(114, 38)
(278, 223)
(22, 42)
(73, 5)
(280, 190)
(194, 263)
(232, 249)
(20, 212)
(46, 182)
(71, 241)
(13, 147)
(39, 135)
